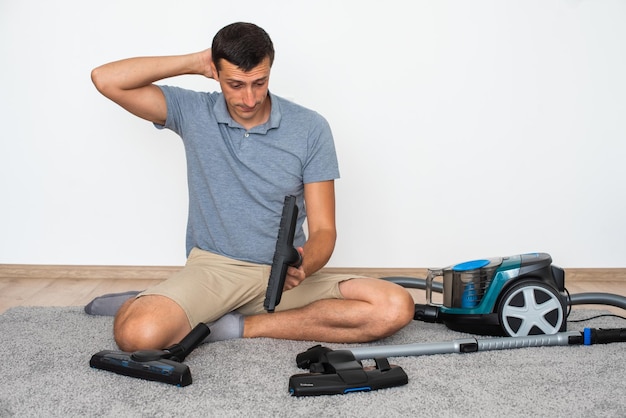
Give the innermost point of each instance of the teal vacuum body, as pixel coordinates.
(509, 296)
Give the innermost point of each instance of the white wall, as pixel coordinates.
(464, 129)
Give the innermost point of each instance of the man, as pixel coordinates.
(246, 150)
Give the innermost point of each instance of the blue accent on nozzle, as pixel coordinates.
(471, 265)
(587, 336)
(359, 389)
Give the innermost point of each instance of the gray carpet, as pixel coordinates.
(45, 372)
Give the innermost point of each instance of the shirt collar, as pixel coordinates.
(222, 115)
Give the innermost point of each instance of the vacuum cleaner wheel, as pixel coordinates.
(531, 307)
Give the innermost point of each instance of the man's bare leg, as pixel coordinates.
(372, 309)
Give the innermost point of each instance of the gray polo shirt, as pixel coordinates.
(238, 178)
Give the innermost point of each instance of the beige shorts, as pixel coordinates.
(212, 285)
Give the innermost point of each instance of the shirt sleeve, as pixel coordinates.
(321, 163)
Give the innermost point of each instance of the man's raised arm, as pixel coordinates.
(129, 82)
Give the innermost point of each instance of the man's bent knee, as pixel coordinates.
(391, 306)
(399, 310)
(149, 322)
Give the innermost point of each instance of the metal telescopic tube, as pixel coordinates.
(466, 345)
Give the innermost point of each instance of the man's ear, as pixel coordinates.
(214, 71)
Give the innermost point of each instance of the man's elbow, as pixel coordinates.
(96, 78)
(99, 80)
(328, 238)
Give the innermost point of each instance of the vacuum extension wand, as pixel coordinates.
(337, 372)
(589, 336)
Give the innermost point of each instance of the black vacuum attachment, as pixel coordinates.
(285, 254)
(159, 365)
(335, 372)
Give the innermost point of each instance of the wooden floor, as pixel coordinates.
(24, 285)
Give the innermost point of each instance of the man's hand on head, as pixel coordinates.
(205, 63)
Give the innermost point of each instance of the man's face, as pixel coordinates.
(245, 92)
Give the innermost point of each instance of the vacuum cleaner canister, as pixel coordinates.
(504, 296)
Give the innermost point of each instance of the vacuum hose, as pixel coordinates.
(594, 298)
(598, 299)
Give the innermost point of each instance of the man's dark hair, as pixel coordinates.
(242, 44)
